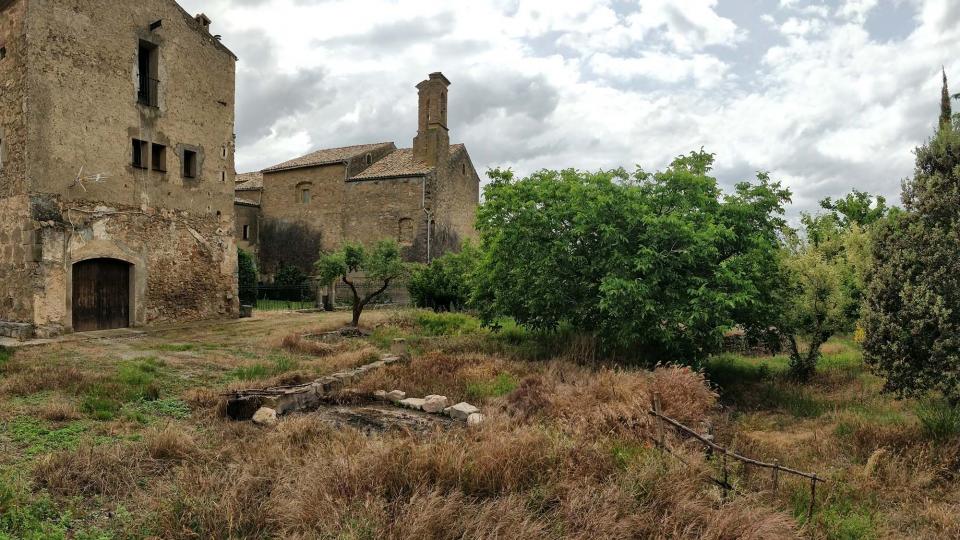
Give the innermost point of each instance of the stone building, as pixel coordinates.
(116, 166)
(425, 196)
(246, 204)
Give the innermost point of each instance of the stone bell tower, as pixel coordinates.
(432, 143)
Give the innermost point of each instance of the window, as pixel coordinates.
(463, 168)
(158, 158)
(246, 232)
(223, 176)
(223, 151)
(139, 154)
(148, 85)
(3, 53)
(189, 164)
(305, 195)
(369, 159)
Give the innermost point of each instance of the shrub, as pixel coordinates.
(444, 284)
(247, 278)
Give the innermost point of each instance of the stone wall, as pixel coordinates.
(375, 209)
(281, 199)
(78, 121)
(457, 197)
(248, 216)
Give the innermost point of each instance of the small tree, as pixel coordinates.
(247, 278)
(444, 284)
(383, 264)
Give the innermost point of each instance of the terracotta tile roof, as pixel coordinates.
(251, 181)
(327, 156)
(245, 202)
(399, 164)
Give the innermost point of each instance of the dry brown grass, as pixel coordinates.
(170, 443)
(59, 409)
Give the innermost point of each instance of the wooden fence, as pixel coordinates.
(775, 468)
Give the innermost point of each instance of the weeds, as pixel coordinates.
(939, 419)
(501, 385)
(278, 364)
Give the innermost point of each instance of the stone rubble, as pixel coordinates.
(434, 404)
(265, 416)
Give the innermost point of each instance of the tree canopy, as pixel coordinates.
(911, 318)
(661, 263)
(382, 263)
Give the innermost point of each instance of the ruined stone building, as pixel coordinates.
(425, 196)
(116, 166)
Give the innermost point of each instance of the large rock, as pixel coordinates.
(435, 404)
(475, 419)
(413, 403)
(461, 411)
(396, 396)
(265, 416)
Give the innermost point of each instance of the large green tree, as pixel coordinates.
(660, 264)
(911, 314)
(382, 264)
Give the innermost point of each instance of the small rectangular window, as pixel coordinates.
(3, 53)
(158, 158)
(223, 176)
(223, 151)
(246, 232)
(147, 84)
(189, 164)
(139, 154)
(305, 195)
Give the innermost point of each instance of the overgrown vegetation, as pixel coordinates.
(382, 264)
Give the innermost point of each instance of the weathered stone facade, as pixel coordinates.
(425, 197)
(116, 138)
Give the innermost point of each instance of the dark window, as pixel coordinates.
(369, 159)
(246, 232)
(139, 154)
(158, 158)
(463, 168)
(3, 53)
(305, 195)
(189, 164)
(148, 85)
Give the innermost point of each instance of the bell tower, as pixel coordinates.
(432, 143)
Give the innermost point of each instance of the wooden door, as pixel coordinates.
(101, 295)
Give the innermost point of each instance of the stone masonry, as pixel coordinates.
(116, 151)
(425, 196)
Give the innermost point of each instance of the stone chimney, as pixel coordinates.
(204, 21)
(432, 143)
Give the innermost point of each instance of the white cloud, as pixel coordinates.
(600, 83)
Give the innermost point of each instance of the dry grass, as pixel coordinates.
(59, 410)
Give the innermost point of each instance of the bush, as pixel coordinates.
(247, 278)
(444, 284)
(940, 420)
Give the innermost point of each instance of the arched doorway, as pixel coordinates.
(101, 295)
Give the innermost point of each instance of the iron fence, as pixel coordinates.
(279, 297)
(149, 91)
(395, 295)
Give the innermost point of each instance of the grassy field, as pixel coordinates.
(125, 438)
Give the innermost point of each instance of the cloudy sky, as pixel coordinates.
(826, 95)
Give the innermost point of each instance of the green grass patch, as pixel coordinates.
(145, 412)
(39, 437)
(5, 355)
(939, 420)
(27, 516)
(275, 365)
(446, 324)
(839, 515)
(137, 380)
(500, 385)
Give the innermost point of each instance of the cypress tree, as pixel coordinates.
(945, 110)
(910, 314)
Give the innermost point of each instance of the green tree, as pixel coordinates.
(659, 263)
(444, 284)
(247, 278)
(856, 208)
(911, 318)
(383, 263)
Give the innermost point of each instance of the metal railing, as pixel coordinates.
(279, 297)
(149, 92)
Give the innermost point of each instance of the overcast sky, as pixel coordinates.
(826, 95)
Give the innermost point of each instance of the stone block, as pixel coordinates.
(461, 411)
(475, 419)
(396, 396)
(435, 404)
(265, 416)
(413, 403)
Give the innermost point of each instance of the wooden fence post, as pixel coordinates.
(656, 409)
(776, 475)
(813, 497)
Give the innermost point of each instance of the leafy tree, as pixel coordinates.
(856, 208)
(290, 276)
(821, 298)
(383, 263)
(444, 284)
(247, 278)
(284, 244)
(659, 263)
(911, 318)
